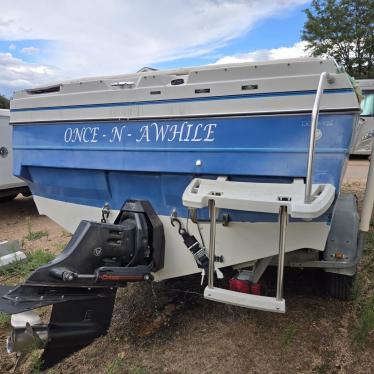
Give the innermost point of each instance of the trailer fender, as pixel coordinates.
(343, 244)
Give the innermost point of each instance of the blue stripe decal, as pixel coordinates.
(190, 99)
(205, 150)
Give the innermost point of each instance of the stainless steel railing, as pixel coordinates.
(312, 140)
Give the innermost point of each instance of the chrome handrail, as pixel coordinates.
(212, 242)
(312, 140)
(283, 220)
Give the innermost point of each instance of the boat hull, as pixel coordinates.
(238, 243)
(74, 168)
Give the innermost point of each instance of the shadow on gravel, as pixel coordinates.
(17, 208)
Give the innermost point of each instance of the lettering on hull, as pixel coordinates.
(154, 132)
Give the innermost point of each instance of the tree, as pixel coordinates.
(4, 102)
(343, 29)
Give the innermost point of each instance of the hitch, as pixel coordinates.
(81, 283)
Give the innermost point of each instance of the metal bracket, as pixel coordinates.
(105, 211)
(4, 152)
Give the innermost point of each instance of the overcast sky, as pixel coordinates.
(43, 41)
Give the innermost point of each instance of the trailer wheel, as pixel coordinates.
(5, 199)
(340, 286)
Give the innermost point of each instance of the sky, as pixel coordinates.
(46, 41)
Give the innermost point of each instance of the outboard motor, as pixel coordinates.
(81, 282)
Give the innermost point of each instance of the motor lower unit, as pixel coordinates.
(81, 282)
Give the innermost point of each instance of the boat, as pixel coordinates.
(86, 144)
(161, 174)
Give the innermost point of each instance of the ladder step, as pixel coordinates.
(266, 303)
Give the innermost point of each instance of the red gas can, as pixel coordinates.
(239, 285)
(256, 288)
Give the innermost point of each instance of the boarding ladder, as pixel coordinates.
(295, 200)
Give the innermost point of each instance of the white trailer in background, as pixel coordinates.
(10, 186)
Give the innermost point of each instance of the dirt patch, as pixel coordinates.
(19, 220)
(168, 327)
(205, 337)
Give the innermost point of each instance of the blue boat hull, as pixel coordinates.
(93, 162)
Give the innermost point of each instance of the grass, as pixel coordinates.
(116, 366)
(66, 234)
(60, 246)
(34, 235)
(364, 302)
(137, 370)
(365, 323)
(24, 267)
(288, 335)
(4, 320)
(369, 247)
(322, 369)
(36, 362)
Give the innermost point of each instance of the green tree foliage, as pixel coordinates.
(344, 29)
(4, 102)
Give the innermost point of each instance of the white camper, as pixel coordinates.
(10, 186)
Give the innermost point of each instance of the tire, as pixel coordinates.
(5, 199)
(340, 286)
(26, 194)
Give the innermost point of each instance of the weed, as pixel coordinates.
(288, 335)
(24, 267)
(365, 323)
(116, 366)
(322, 369)
(60, 246)
(369, 243)
(36, 362)
(37, 258)
(34, 235)
(363, 328)
(66, 234)
(356, 289)
(138, 370)
(4, 320)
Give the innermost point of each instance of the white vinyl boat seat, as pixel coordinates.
(260, 197)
